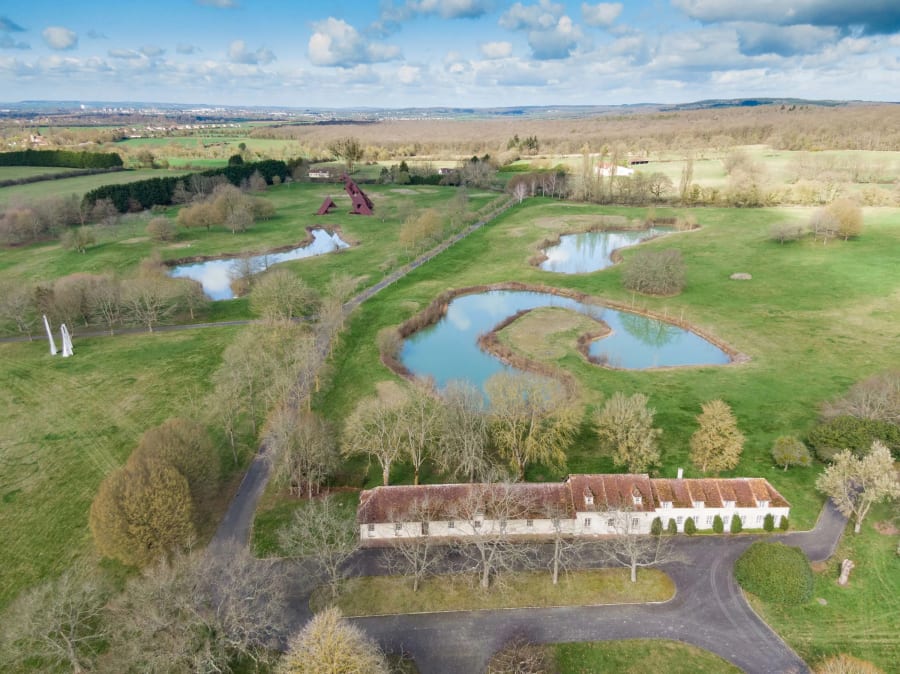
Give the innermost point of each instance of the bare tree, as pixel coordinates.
(486, 545)
(625, 428)
(631, 549)
(325, 534)
(567, 551)
(349, 149)
(876, 397)
(856, 484)
(59, 623)
(329, 644)
(199, 612)
(17, 306)
(148, 300)
(531, 420)
(105, 302)
(462, 450)
(281, 295)
(302, 448)
(373, 430)
(413, 552)
(419, 421)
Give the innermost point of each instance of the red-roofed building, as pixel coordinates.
(582, 505)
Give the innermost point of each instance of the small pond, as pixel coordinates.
(216, 275)
(449, 350)
(591, 251)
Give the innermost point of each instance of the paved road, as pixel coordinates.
(708, 611)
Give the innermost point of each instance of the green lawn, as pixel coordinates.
(813, 320)
(384, 595)
(860, 619)
(17, 172)
(77, 185)
(66, 423)
(638, 656)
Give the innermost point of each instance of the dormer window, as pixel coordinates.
(763, 504)
(588, 498)
(697, 504)
(665, 504)
(636, 498)
(729, 504)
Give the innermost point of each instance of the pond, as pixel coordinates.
(449, 350)
(591, 251)
(216, 275)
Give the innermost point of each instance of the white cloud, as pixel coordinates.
(452, 9)
(151, 51)
(58, 37)
(602, 14)
(409, 74)
(496, 50)
(126, 54)
(221, 4)
(762, 38)
(237, 53)
(336, 43)
(185, 48)
(542, 16)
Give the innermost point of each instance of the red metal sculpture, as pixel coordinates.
(362, 205)
(326, 206)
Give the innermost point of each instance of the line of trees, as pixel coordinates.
(144, 194)
(62, 158)
(84, 300)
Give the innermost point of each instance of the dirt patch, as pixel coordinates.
(136, 239)
(886, 528)
(403, 190)
(185, 244)
(818, 567)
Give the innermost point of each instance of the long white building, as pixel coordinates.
(582, 505)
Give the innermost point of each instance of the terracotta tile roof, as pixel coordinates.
(449, 501)
(561, 499)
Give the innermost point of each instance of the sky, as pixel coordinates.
(456, 53)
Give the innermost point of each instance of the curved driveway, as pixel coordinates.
(708, 611)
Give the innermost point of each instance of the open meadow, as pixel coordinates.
(77, 185)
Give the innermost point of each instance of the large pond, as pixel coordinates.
(216, 275)
(591, 251)
(449, 350)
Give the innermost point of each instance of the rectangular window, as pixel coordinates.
(477, 524)
(587, 521)
(424, 528)
(503, 525)
(371, 528)
(451, 524)
(680, 520)
(729, 504)
(397, 527)
(666, 504)
(610, 523)
(709, 520)
(635, 522)
(759, 519)
(529, 523)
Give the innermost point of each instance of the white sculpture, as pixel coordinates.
(50, 336)
(67, 342)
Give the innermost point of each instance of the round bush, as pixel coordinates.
(775, 572)
(689, 527)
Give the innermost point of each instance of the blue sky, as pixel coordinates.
(399, 53)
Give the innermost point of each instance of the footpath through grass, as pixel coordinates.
(861, 619)
(386, 595)
(638, 656)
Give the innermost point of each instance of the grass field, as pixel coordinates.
(78, 185)
(813, 320)
(121, 247)
(638, 656)
(65, 424)
(384, 595)
(860, 619)
(17, 172)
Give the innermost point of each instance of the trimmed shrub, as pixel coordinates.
(736, 525)
(857, 435)
(66, 158)
(775, 572)
(689, 527)
(790, 451)
(672, 528)
(656, 526)
(784, 523)
(718, 524)
(769, 522)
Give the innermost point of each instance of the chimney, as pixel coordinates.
(680, 473)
